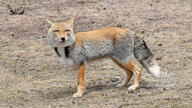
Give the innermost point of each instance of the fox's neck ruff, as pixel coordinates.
(66, 51)
(56, 50)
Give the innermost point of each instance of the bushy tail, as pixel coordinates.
(145, 57)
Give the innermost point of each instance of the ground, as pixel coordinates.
(32, 77)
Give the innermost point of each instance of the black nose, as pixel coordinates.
(63, 39)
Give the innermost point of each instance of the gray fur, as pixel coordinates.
(142, 52)
(121, 49)
(100, 50)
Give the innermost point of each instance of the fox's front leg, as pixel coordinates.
(81, 83)
(137, 73)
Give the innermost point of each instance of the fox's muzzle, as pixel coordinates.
(63, 39)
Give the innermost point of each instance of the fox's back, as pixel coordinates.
(102, 34)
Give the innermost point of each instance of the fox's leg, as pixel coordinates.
(132, 67)
(81, 84)
(128, 74)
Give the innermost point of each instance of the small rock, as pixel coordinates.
(131, 91)
(43, 36)
(73, 102)
(160, 44)
(164, 89)
(119, 25)
(29, 3)
(114, 79)
(104, 8)
(58, 9)
(12, 35)
(159, 58)
(98, 9)
(15, 10)
(150, 19)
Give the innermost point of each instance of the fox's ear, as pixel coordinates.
(70, 21)
(48, 23)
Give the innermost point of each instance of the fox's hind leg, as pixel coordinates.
(128, 74)
(129, 68)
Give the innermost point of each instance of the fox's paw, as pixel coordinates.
(133, 87)
(120, 85)
(77, 95)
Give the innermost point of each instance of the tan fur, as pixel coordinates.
(101, 35)
(81, 82)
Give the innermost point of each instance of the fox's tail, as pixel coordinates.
(145, 57)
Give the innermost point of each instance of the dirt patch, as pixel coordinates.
(31, 75)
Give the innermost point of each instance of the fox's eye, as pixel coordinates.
(56, 31)
(67, 30)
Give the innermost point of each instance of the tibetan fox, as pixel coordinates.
(119, 44)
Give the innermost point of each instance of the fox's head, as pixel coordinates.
(61, 33)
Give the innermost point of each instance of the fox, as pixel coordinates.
(121, 45)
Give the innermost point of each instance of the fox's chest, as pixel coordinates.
(64, 55)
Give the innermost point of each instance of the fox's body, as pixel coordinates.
(119, 44)
(110, 42)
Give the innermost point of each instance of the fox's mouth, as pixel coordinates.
(61, 41)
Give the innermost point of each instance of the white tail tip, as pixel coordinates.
(155, 70)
